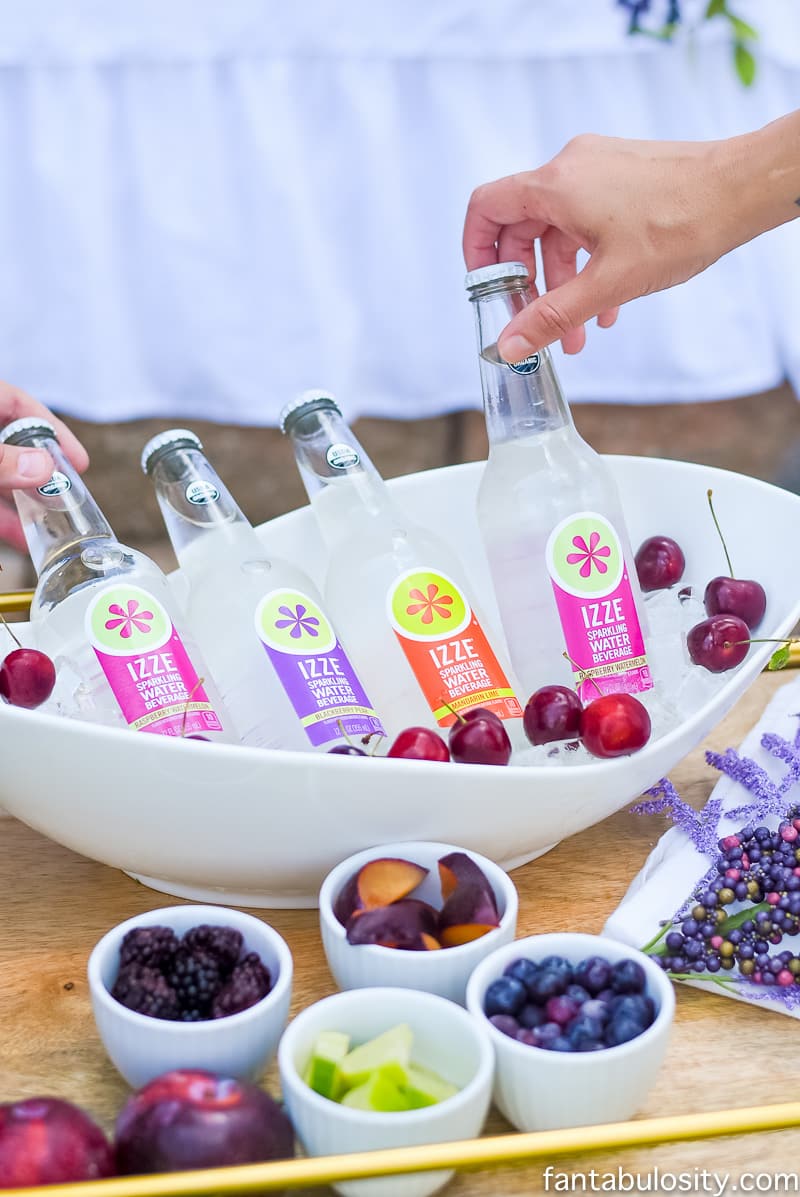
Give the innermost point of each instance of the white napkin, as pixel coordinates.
(675, 866)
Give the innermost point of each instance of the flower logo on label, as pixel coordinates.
(298, 620)
(129, 619)
(289, 621)
(424, 604)
(432, 602)
(589, 555)
(124, 620)
(584, 555)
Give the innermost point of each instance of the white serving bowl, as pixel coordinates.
(446, 971)
(252, 827)
(446, 1039)
(538, 1089)
(240, 1045)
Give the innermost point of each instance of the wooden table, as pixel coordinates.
(55, 905)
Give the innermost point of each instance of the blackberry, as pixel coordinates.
(153, 947)
(196, 978)
(223, 943)
(249, 982)
(146, 991)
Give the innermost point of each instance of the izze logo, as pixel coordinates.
(56, 484)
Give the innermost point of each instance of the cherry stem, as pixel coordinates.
(719, 531)
(189, 697)
(452, 711)
(586, 676)
(7, 626)
(787, 643)
(345, 736)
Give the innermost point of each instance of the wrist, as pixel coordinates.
(758, 180)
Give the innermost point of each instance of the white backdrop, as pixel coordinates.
(206, 207)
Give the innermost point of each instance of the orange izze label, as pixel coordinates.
(447, 647)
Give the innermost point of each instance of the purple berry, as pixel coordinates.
(562, 1009)
(627, 976)
(506, 995)
(531, 1016)
(249, 982)
(594, 974)
(523, 970)
(154, 947)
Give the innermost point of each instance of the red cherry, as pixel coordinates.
(480, 741)
(736, 596)
(615, 725)
(659, 563)
(552, 713)
(719, 643)
(27, 677)
(419, 744)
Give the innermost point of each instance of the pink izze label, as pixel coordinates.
(596, 606)
(146, 664)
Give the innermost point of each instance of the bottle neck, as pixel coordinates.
(61, 514)
(343, 485)
(193, 499)
(522, 400)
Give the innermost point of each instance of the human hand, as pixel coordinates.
(650, 214)
(23, 468)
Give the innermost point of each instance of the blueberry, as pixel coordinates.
(578, 993)
(506, 1023)
(597, 1009)
(627, 976)
(506, 995)
(546, 1033)
(525, 1036)
(584, 1030)
(531, 1016)
(562, 1009)
(523, 970)
(638, 1006)
(549, 982)
(621, 1029)
(560, 965)
(594, 974)
(561, 1044)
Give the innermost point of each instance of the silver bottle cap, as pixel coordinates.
(495, 272)
(12, 431)
(313, 400)
(168, 440)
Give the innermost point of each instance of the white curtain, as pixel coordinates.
(208, 206)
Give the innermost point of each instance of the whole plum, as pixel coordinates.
(45, 1141)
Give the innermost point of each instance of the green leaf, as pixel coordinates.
(742, 30)
(745, 64)
(741, 916)
(715, 8)
(779, 659)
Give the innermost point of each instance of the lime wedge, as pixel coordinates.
(322, 1074)
(392, 1047)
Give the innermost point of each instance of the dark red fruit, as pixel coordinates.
(44, 1141)
(736, 596)
(480, 713)
(193, 1119)
(614, 725)
(480, 741)
(419, 744)
(719, 643)
(552, 713)
(659, 563)
(347, 750)
(27, 677)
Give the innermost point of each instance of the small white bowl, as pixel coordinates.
(538, 1089)
(446, 1039)
(239, 1045)
(444, 972)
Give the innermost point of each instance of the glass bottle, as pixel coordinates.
(551, 519)
(282, 671)
(394, 588)
(105, 613)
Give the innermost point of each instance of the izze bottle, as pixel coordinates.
(551, 519)
(395, 589)
(106, 615)
(283, 673)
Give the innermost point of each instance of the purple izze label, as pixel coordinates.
(596, 606)
(146, 664)
(313, 668)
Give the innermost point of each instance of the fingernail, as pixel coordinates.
(31, 463)
(514, 348)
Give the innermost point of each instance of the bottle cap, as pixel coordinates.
(170, 439)
(314, 400)
(17, 428)
(495, 272)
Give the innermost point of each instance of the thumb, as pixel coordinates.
(552, 315)
(23, 468)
